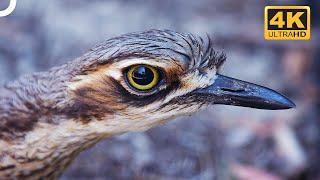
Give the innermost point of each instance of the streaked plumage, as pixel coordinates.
(48, 118)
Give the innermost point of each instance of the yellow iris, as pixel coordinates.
(143, 77)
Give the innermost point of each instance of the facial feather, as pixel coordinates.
(56, 114)
(93, 85)
(188, 62)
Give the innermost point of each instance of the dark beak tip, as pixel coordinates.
(282, 102)
(289, 104)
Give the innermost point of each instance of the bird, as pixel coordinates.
(129, 83)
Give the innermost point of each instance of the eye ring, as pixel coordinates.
(143, 77)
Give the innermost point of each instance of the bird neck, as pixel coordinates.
(36, 139)
(30, 100)
(46, 151)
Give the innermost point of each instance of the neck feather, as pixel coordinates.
(36, 138)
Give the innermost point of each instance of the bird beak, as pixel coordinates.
(230, 91)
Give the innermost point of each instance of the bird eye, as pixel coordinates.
(143, 77)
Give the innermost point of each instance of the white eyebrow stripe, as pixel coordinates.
(115, 70)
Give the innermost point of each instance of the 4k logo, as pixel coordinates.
(287, 23)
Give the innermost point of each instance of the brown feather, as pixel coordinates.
(48, 118)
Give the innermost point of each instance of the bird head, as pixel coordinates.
(140, 80)
(129, 83)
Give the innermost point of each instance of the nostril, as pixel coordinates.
(232, 90)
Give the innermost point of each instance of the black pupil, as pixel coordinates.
(142, 75)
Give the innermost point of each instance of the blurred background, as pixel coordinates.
(218, 143)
